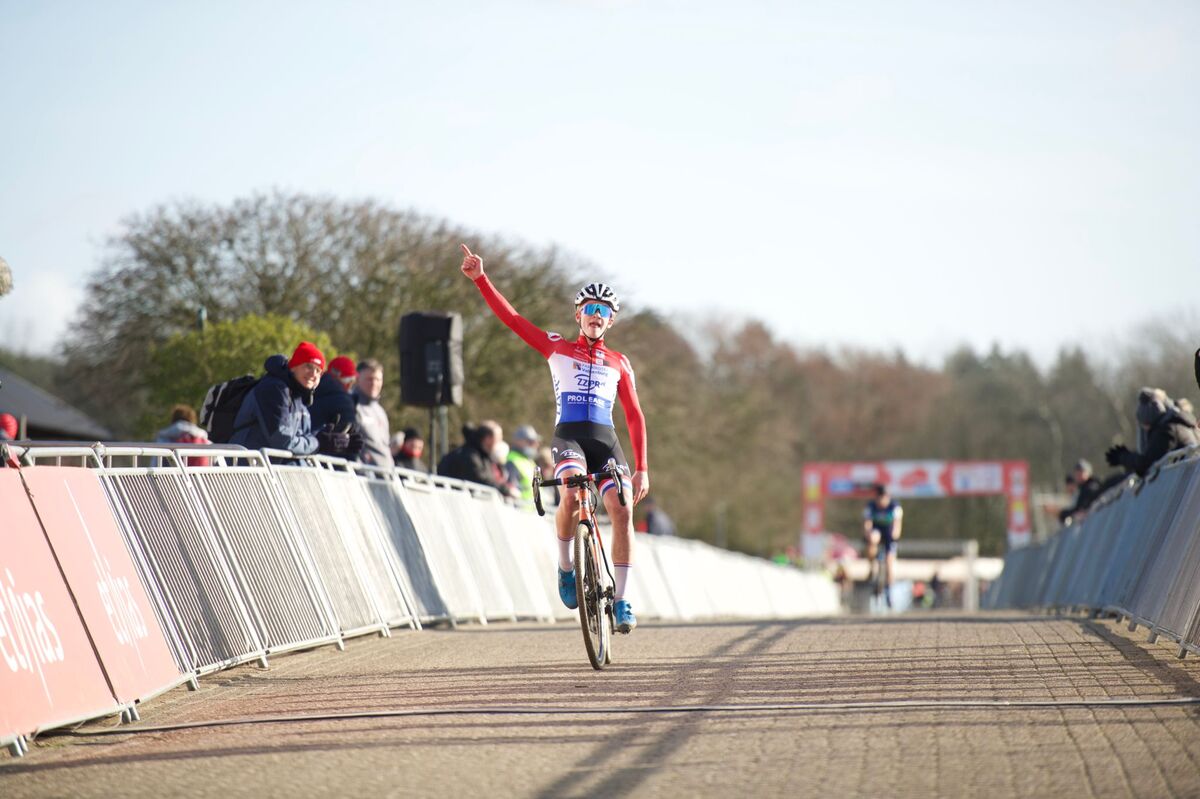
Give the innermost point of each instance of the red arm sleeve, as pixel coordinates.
(634, 418)
(530, 333)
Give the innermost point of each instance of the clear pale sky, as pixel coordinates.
(884, 174)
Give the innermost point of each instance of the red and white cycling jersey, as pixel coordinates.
(588, 378)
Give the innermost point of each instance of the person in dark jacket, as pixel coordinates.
(474, 461)
(332, 402)
(411, 448)
(1164, 428)
(275, 412)
(1086, 486)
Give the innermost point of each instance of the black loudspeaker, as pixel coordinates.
(431, 367)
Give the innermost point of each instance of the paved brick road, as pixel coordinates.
(991, 752)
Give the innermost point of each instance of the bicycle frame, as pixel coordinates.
(595, 594)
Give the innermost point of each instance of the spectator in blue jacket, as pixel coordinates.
(275, 412)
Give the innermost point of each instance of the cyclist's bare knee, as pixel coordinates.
(618, 513)
(567, 502)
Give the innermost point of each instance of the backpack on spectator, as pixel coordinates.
(221, 405)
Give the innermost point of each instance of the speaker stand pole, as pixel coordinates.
(433, 441)
(443, 416)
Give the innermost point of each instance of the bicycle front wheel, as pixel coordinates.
(589, 589)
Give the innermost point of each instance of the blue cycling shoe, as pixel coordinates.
(623, 616)
(566, 589)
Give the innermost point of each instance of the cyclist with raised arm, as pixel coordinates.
(588, 379)
(882, 520)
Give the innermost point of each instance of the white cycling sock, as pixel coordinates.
(564, 554)
(620, 574)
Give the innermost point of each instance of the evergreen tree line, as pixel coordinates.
(733, 413)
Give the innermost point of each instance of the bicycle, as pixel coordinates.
(593, 585)
(877, 552)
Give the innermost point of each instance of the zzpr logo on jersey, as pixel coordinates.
(586, 382)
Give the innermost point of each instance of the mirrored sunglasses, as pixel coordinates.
(597, 309)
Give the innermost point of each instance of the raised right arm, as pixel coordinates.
(530, 333)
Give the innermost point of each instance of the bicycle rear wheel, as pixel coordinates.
(590, 592)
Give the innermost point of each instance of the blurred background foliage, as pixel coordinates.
(733, 411)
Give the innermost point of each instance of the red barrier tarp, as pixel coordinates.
(48, 671)
(99, 569)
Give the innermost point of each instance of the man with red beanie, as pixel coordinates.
(275, 413)
(333, 404)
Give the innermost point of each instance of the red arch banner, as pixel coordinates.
(924, 479)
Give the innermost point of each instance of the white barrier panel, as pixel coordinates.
(336, 549)
(269, 559)
(519, 562)
(477, 547)
(541, 539)
(647, 583)
(163, 516)
(405, 550)
(443, 549)
(365, 524)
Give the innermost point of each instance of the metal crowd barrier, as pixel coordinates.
(445, 556)
(405, 551)
(270, 557)
(343, 532)
(160, 512)
(1136, 555)
(254, 553)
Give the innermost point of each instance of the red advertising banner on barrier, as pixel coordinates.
(100, 571)
(48, 671)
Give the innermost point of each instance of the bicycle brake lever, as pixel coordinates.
(537, 494)
(616, 478)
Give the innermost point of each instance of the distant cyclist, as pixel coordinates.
(882, 520)
(588, 380)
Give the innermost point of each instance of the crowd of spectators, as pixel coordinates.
(306, 406)
(480, 458)
(1163, 425)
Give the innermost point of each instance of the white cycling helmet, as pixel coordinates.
(599, 292)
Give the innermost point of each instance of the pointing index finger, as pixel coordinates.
(467, 251)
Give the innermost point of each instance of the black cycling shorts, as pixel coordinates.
(887, 544)
(589, 445)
